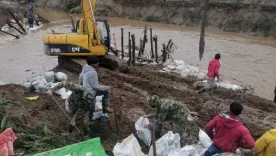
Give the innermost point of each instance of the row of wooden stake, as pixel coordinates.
(153, 52)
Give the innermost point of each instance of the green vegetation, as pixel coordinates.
(30, 139)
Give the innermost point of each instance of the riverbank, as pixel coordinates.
(130, 85)
(256, 17)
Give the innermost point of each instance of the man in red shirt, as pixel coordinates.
(228, 133)
(213, 72)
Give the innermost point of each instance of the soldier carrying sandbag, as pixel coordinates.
(168, 110)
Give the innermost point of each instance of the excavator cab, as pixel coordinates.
(104, 30)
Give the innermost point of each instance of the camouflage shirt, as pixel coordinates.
(171, 110)
(80, 99)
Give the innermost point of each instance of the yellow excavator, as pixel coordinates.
(91, 38)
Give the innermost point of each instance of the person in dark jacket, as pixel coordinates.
(230, 133)
(31, 20)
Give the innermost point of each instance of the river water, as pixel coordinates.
(245, 59)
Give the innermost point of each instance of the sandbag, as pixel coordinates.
(167, 143)
(204, 139)
(167, 70)
(128, 147)
(40, 84)
(66, 94)
(143, 133)
(171, 67)
(67, 108)
(201, 76)
(184, 74)
(28, 87)
(181, 67)
(60, 91)
(60, 76)
(97, 114)
(169, 62)
(179, 62)
(6, 139)
(50, 76)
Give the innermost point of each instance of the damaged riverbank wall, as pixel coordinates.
(256, 17)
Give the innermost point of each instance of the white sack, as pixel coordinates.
(201, 76)
(143, 133)
(28, 87)
(169, 62)
(60, 91)
(129, 147)
(167, 70)
(60, 76)
(50, 76)
(179, 62)
(181, 67)
(204, 139)
(171, 67)
(66, 94)
(167, 143)
(97, 114)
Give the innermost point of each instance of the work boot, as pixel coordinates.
(107, 110)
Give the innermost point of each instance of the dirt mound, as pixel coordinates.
(130, 87)
(37, 112)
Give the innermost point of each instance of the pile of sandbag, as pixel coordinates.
(167, 145)
(44, 82)
(180, 68)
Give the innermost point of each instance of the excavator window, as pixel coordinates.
(104, 32)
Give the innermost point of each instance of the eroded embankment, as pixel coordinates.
(131, 86)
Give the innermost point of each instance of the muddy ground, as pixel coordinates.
(130, 86)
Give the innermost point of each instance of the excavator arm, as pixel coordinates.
(89, 21)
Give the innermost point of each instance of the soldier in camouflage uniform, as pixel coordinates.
(168, 110)
(79, 103)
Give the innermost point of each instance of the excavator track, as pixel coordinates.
(76, 64)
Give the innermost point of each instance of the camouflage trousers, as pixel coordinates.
(180, 119)
(82, 122)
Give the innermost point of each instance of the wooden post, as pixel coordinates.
(133, 49)
(17, 22)
(122, 42)
(10, 25)
(153, 140)
(115, 45)
(144, 41)
(140, 48)
(129, 48)
(17, 37)
(151, 44)
(156, 53)
(202, 33)
(164, 54)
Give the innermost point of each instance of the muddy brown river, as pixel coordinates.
(245, 59)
